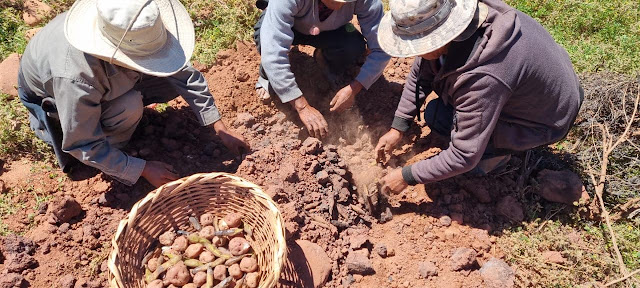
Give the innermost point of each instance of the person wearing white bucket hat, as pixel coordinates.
(504, 85)
(86, 77)
(325, 25)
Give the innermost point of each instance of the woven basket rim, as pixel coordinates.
(279, 233)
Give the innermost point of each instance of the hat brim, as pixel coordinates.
(82, 31)
(422, 43)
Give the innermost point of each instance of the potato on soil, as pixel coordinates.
(180, 244)
(167, 238)
(220, 272)
(200, 278)
(239, 246)
(206, 219)
(248, 264)
(194, 250)
(178, 275)
(234, 270)
(207, 232)
(233, 220)
(206, 257)
(252, 280)
(155, 284)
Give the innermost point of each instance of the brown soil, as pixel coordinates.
(316, 185)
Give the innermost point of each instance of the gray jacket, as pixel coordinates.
(276, 38)
(510, 83)
(79, 83)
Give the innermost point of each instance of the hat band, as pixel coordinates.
(158, 38)
(430, 22)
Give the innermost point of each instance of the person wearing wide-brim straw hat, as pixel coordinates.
(504, 85)
(87, 75)
(325, 25)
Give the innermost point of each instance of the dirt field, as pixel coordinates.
(439, 235)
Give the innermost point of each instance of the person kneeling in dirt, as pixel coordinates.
(87, 75)
(504, 85)
(323, 24)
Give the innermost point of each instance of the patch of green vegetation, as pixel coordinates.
(219, 24)
(15, 135)
(599, 35)
(628, 236)
(12, 30)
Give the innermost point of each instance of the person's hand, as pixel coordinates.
(231, 139)
(311, 118)
(386, 143)
(158, 173)
(393, 183)
(345, 98)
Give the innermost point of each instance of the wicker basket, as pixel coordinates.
(169, 207)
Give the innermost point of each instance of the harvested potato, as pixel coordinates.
(155, 284)
(208, 232)
(248, 264)
(152, 264)
(180, 244)
(233, 220)
(190, 285)
(252, 279)
(200, 278)
(206, 219)
(234, 270)
(178, 275)
(220, 272)
(206, 256)
(194, 250)
(167, 238)
(239, 246)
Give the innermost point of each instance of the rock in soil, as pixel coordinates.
(358, 262)
(381, 249)
(427, 269)
(497, 274)
(35, 11)
(553, 257)
(8, 71)
(445, 221)
(462, 258)
(510, 208)
(64, 210)
(19, 262)
(68, 281)
(11, 280)
(14, 244)
(561, 186)
(356, 241)
(245, 119)
(311, 146)
(311, 255)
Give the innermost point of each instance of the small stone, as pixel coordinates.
(105, 199)
(381, 249)
(357, 241)
(19, 262)
(462, 258)
(510, 208)
(553, 257)
(311, 146)
(497, 274)
(242, 76)
(427, 269)
(245, 119)
(64, 228)
(445, 221)
(68, 281)
(358, 262)
(309, 254)
(561, 186)
(64, 210)
(11, 280)
(323, 177)
(15, 244)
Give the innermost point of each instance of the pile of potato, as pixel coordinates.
(218, 254)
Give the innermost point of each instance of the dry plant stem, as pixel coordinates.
(622, 279)
(608, 145)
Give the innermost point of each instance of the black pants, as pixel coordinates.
(341, 48)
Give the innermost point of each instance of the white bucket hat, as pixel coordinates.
(155, 37)
(417, 27)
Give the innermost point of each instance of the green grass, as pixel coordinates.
(12, 30)
(599, 35)
(16, 138)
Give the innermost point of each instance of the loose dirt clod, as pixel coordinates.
(463, 258)
(510, 208)
(358, 263)
(560, 186)
(64, 210)
(497, 274)
(427, 269)
(11, 280)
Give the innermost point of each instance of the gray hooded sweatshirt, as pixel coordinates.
(276, 38)
(510, 83)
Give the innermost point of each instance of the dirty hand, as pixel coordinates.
(393, 183)
(158, 173)
(311, 118)
(386, 143)
(345, 98)
(231, 139)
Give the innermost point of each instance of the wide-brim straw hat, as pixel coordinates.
(418, 27)
(159, 40)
